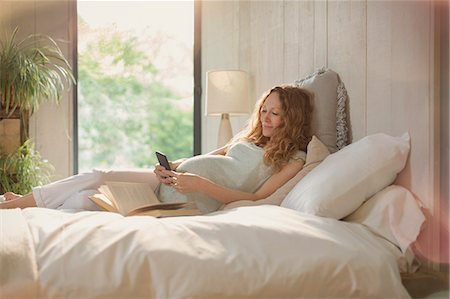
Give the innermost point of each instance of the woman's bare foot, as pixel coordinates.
(18, 201)
(11, 196)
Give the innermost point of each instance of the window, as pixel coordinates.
(135, 82)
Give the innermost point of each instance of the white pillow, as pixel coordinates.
(345, 179)
(392, 213)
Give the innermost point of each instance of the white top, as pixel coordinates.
(242, 168)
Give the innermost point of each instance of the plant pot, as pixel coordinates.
(24, 122)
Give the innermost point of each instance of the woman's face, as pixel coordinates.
(271, 114)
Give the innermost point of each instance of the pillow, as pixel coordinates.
(392, 213)
(315, 153)
(345, 179)
(329, 118)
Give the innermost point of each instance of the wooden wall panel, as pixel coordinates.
(247, 46)
(298, 40)
(320, 32)
(379, 67)
(267, 42)
(244, 45)
(305, 39)
(411, 100)
(383, 51)
(347, 43)
(244, 49)
(291, 32)
(220, 42)
(401, 95)
(398, 93)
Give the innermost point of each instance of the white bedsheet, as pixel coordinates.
(259, 251)
(18, 267)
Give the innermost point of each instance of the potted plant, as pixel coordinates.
(32, 70)
(23, 169)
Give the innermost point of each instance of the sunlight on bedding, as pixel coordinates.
(260, 251)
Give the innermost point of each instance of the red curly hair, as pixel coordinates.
(292, 135)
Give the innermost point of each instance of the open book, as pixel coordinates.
(131, 199)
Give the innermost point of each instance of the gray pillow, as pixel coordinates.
(330, 118)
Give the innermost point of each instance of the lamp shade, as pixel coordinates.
(227, 92)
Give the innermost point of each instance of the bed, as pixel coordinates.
(340, 228)
(259, 251)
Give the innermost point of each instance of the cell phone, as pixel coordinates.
(162, 159)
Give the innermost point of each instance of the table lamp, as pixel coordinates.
(226, 93)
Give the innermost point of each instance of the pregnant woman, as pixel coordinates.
(251, 167)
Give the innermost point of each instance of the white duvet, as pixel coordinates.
(260, 251)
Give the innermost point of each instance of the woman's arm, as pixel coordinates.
(188, 182)
(220, 151)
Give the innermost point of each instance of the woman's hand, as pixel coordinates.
(186, 182)
(174, 164)
(182, 182)
(163, 175)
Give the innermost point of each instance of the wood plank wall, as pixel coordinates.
(383, 51)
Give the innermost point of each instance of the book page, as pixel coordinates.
(107, 193)
(103, 202)
(129, 196)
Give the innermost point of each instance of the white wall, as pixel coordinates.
(384, 52)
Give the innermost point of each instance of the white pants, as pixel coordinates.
(73, 192)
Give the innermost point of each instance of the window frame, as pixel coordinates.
(197, 88)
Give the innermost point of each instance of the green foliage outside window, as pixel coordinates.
(126, 112)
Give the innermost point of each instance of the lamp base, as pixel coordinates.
(225, 131)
